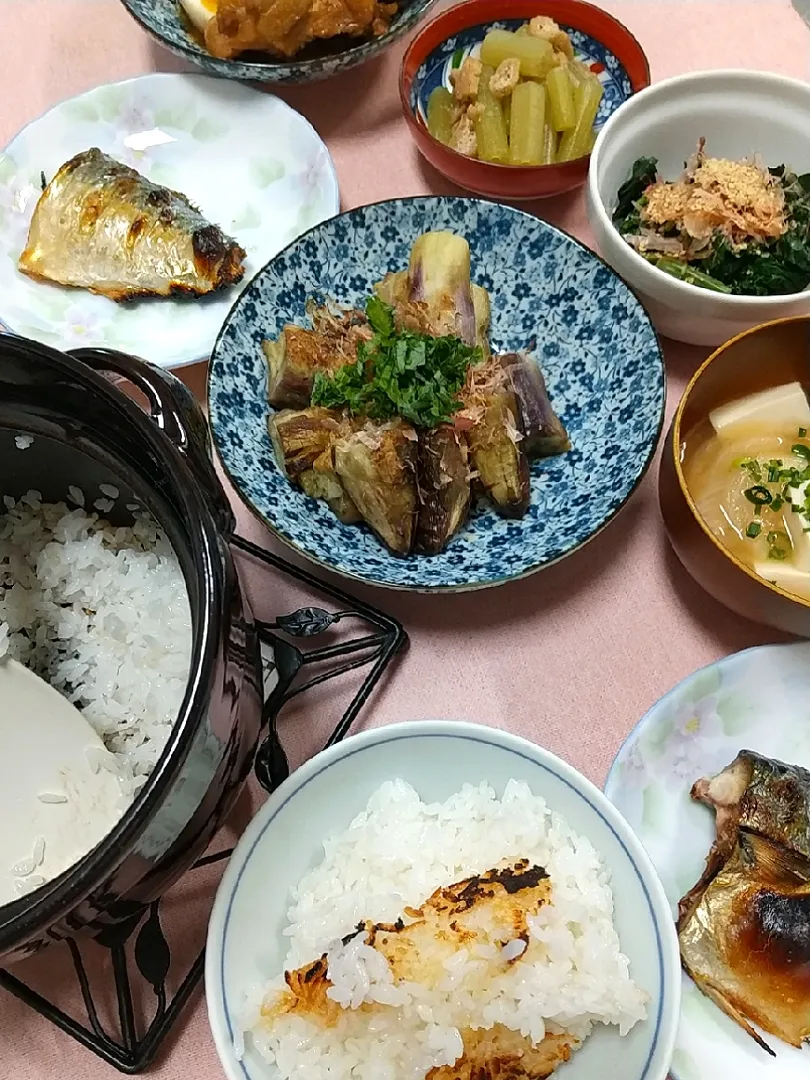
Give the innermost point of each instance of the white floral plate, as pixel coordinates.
(252, 164)
(755, 700)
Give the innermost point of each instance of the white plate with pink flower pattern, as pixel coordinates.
(253, 166)
(755, 700)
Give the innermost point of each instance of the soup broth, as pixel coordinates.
(747, 469)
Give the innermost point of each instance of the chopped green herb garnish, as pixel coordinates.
(752, 467)
(802, 432)
(778, 553)
(777, 503)
(399, 373)
(753, 530)
(758, 495)
(801, 450)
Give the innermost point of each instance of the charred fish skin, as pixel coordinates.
(755, 793)
(101, 226)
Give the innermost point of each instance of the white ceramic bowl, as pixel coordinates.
(284, 840)
(739, 113)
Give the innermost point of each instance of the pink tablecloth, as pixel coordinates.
(570, 658)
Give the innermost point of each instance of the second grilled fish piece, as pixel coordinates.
(101, 226)
(744, 928)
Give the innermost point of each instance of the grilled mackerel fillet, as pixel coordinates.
(101, 226)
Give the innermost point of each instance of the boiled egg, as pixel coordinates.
(199, 12)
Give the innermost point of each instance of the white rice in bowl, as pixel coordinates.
(101, 613)
(567, 974)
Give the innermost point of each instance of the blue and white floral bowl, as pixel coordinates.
(755, 700)
(600, 354)
(164, 20)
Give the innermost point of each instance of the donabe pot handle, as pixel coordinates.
(173, 408)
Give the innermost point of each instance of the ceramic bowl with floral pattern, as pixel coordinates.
(549, 295)
(252, 165)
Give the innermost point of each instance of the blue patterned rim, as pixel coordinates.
(549, 293)
(164, 20)
(435, 70)
(398, 737)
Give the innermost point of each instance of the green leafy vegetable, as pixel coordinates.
(775, 267)
(643, 173)
(686, 272)
(399, 373)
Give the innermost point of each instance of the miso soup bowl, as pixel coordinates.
(763, 357)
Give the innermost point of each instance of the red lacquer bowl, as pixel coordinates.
(600, 41)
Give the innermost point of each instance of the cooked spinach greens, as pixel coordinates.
(756, 268)
(399, 373)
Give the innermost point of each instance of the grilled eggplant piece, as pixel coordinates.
(501, 465)
(482, 310)
(323, 483)
(301, 436)
(304, 442)
(744, 929)
(444, 488)
(543, 431)
(101, 226)
(377, 467)
(395, 290)
(439, 280)
(298, 354)
(292, 362)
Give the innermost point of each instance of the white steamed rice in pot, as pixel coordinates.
(474, 975)
(101, 613)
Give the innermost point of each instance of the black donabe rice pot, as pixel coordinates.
(86, 431)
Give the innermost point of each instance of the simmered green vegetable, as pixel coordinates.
(441, 111)
(490, 127)
(536, 55)
(527, 124)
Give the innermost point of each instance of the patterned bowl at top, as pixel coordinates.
(600, 354)
(599, 41)
(190, 133)
(166, 22)
(756, 700)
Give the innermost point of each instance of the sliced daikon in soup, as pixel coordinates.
(748, 471)
(728, 480)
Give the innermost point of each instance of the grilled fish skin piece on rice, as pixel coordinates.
(100, 225)
(498, 1053)
(491, 908)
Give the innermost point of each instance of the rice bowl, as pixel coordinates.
(329, 910)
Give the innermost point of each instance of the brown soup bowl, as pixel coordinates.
(766, 356)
